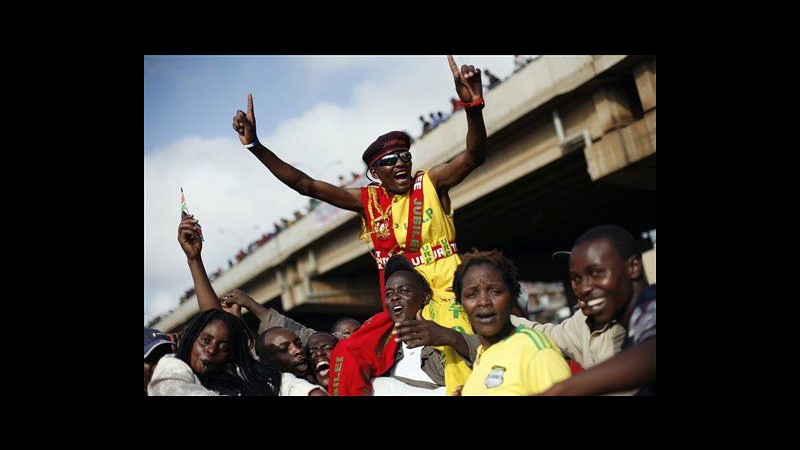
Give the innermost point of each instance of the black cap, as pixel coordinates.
(562, 257)
(395, 263)
(390, 142)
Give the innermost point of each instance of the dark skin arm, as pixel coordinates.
(632, 368)
(447, 175)
(245, 126)
(232, 308)
(319, 392)
(421, 332)
(239, 298)
(192, 246)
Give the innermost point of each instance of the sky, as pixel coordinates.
(318, 113)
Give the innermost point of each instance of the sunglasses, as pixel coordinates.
(390, 160)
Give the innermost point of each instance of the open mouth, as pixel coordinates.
(323, 367)
(485, 317)
(401, 175)
(206, 365)
(397, 312)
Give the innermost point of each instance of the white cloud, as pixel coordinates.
(333, 65)
(162, 302)
(227, 188)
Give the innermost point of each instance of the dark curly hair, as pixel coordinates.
(243, 375)
(494, 257)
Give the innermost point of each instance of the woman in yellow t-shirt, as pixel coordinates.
(510, 361)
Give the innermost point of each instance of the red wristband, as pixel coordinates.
(475, 104)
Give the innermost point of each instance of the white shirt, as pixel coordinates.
(172, 376)
(410, 366)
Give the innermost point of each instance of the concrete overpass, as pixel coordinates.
(572, 144)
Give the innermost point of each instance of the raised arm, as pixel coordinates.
(192, 246)
(239, 298)
(271, 318)
(245, 125)
(469, 89)
(267, 317)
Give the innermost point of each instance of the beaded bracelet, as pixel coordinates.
(475, 104)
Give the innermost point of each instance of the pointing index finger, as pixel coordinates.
(453, 66)
(250, 112)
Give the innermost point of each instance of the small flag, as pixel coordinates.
(185, 212)
(184, 208)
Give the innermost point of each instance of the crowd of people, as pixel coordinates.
(449, 323)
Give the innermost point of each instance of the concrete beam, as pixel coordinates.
(645, 74)
(622, 147)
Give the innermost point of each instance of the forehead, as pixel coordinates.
(280, 336)
(483, 272)
(321, 339)
(347, 324)
(402, 277)
(597, 251)
(216, 328)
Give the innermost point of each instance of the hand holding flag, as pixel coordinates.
(185, 212)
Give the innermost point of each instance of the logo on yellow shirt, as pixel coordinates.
(495, 377)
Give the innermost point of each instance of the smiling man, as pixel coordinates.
(608, 279)
(318, 350)
(580, 337)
